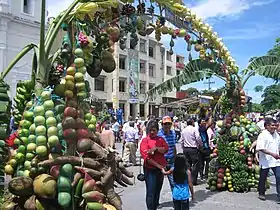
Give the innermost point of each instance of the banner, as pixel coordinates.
(133, 69)
(175, 20)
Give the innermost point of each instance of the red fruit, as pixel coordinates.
(82, 134)
(221, 170)
(220, 181)
(177, 31)
(219, 186)
(243, 152)
(70, 112)
(70, 134)
(220, 175)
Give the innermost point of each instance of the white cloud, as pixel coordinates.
(55, 7)
(225, 8)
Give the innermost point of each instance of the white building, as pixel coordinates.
(19, 26)
(156, 65)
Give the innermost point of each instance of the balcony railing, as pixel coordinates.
(180, 65)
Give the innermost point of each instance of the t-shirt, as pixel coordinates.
(116, 127)
(181, 191)
(170, 140)
(270, 142)
(204, 137)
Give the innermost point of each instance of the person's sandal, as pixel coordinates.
(262, 197)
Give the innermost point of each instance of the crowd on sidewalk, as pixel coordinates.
(156, 139)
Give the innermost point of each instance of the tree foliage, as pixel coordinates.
(258, 88)
(275, 51)
(271, 97)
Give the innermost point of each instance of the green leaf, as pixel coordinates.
(194, 71)
(267, 66)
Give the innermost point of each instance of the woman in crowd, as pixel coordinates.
(182, 183)
(152, 149)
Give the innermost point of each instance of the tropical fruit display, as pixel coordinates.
(233, 167)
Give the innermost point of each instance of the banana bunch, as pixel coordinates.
(5, 105)
(24, 92)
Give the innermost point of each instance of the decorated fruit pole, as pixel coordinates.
(59, 161)
(233, 167)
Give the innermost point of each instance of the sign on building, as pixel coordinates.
(133, 69)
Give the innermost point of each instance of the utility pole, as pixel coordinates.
(209, 83)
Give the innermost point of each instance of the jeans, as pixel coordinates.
(181, 205)
(192, 161)
(170, 164)
(263, 176)
(154, 181)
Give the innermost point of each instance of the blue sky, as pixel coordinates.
(248, 28)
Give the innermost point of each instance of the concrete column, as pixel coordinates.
(115, 75)
(3, 43)
(126, 111)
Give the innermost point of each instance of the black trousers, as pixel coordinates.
(181, 205)
(262, 180)
(192, 157)
(204, 159)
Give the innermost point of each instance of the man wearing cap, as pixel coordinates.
(170, 137)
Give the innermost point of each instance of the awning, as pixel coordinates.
(183, 103)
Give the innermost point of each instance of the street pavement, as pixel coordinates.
(133, 197)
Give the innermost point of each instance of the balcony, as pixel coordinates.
(180, 65)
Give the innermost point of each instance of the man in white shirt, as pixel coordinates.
(268, 144)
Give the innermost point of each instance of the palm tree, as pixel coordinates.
(258, 88)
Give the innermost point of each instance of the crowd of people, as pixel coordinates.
(157, 139)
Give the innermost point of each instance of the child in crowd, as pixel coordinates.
(183, 183)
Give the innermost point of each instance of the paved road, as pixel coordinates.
(134, 197)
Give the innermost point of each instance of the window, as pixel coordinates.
(169, 70)
(177, 59)
(142, 87)
(142, 110)
(122, 85)
(168, 56)
(27, 7)
(151, 85)
(152, 70)
(151, 52)
(178, 72)
(143, 45)
(99, 84)
(122, 62)
(142, 66)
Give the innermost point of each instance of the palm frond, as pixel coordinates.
(267, 66)
(194, 71)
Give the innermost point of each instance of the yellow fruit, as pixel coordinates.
(71, 71)
(229, 186)
(231, 189)
(69, 85)
(109, 207)
(69, 77)
(9, 170)
(69, 94)
(227, 174)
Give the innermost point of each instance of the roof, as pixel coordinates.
(183, 103)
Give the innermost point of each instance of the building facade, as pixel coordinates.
(156, 65)
(19, 26)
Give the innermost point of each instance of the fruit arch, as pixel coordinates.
(58, 155)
